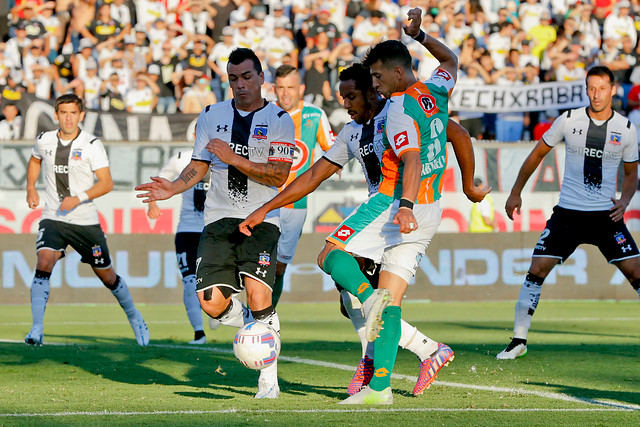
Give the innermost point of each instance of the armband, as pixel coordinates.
(406, 203)
(420, 37)
(83, 197)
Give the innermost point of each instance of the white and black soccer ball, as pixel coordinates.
(256, 345)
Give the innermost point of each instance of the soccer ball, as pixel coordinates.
(256, 345)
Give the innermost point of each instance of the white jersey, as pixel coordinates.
(192, 209)
(264, 135)
(364, 143)
(68, 168)
(593, 154)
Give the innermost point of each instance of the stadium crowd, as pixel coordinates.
(167, 56)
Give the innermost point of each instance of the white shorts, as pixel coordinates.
(370, 232)
(291, 222)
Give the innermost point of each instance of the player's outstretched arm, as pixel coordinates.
(296, 190)
(448, 60)
(461, 142)
(33, 172)
(162, 189)
(514, 202)
(629, 186)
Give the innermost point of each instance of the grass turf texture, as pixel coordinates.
(582, 369)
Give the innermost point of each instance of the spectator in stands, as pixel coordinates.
(11, 124)
(321, 24)
(80, 60)
(53, 28)
(622, 62)
(91, 87)
(473, 76)
(569, 70)
(34, 28)
(529, 13)
(542, 35)
(166, 71)
(140, 55)
(277, 17)
(111, 98)
(619, 23)
(143, 97)
(41, 82)
(195, 60)
(103, 27)
(482, 218)
(526, 57)
(368, 32)
(121, 13)
(196, 18)
(15, 46)
(316, 77)
(198, 96)
(277, 46)
(157, 33)
(5, 65)
(503, 16)
(588, 26)
(32, 56)
(220, 18)
(150, 10)
(509, 125)
(499, 44)
(217, 61)
(542, 126)
(15, 87)
(456, 31)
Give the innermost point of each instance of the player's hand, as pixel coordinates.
(158, 189)
(153, 211)
(221, 150)
(514, 202)
(476, 194)
(69, 203)
(255, 218)
(618, 209)
(33, 199)
(407, 221)
(412, 29)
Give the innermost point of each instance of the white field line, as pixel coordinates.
(614, 405)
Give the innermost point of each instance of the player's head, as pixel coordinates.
(69, 111)
(289, 87)
(245, 78)
(356, 89)
(390, 62)
(600, 88)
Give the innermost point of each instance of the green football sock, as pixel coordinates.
(385, 348)
(277, 289)
(345, 271)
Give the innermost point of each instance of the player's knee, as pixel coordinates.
(212, 301)
(46, 260)
(323, 255)
(258, 299)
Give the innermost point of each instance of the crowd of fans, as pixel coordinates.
(168, 56)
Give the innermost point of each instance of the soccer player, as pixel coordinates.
(312, 126)
(187, 236)
(597, 139)
(362, 139)
(70, 157)
(247, 143)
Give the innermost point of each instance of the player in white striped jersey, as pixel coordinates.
(247, 143)
(69, 158)
(596, 140)
(362, 139)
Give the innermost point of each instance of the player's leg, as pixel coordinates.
(631, 269)
(187, 253)
(619, 248)
(291, 223)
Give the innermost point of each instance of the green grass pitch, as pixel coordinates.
(583, 368)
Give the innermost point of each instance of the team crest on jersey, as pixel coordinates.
(616, 138)
(264, 258)
(428, 104)
(620, 239)
(76, 154)
(400, 140)
(307, 123)
(343, 233)
(260, 132)
(96, 251)
(379, 126)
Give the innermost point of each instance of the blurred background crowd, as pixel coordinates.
(169, 56)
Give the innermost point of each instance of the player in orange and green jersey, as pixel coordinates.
(312, 127)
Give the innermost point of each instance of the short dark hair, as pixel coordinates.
(241, 54)
(360, 74)
(285, 70)
(388, 52)
(602, 71)
(69, 98)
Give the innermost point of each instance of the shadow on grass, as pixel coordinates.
(508, 328)
(593, 394)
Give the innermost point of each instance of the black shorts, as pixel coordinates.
(88, 240)
(225, 254)
(187, 252)
(566, 229)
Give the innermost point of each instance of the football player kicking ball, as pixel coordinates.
(596, 140)
(70, 157)
(362, 139)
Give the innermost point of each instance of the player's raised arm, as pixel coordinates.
(461, 142)
(514, 202)
(161, 189)
(448, 59)
(296, 190)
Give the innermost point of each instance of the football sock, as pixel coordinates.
(386, 348)
(39, 297)
(191, 302)
(277, 289)
(526, 305)
(357, 319)
(416, 342)
(233, 315)
(269, 317)
(198, 335)
(345, 271)
(636, 285)
(122, 294)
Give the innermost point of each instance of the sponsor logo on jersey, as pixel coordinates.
(61, 169)
(76, 154)
(281, 151)
(264, 258)
(300, 156)
(401, 139)
(343, 233)
(260, 132)
(443, 74)
(428, 104)
(96, 251)
(616, 138)
(307, 123)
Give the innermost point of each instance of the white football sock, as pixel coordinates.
(415, 341)
(235, 316)
(122, 294)
(191, 302)
(525, 307)
(270, 373)
(352, 306)
(39, 298)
